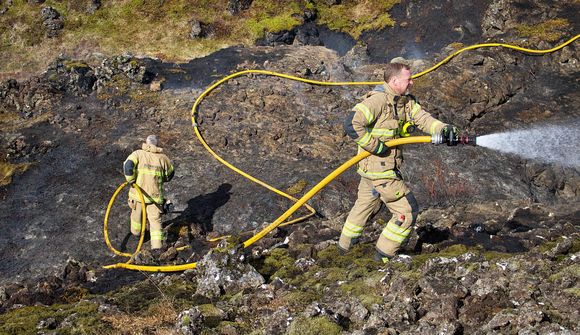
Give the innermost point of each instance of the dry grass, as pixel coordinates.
(159, 319)
(8, 170)
(443, 186)
(161, 29)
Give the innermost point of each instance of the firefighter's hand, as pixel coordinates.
(383, 150)
(447, 129)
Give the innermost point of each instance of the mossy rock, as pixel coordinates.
(87, 319)
(297, 187)
(72, 65)
(548, 31)
(320, 325)
(296, 300)
(211, 314)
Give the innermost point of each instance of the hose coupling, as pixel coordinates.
(437, 138)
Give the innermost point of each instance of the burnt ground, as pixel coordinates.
(288, 134)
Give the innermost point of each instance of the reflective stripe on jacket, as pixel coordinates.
(377, 119)
(150, 168)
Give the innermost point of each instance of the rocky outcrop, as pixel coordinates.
(225, 272)
(495, 247)
(52, 22)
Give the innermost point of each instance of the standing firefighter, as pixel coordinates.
(387, 112)
(149, 168)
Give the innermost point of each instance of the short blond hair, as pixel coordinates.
(393, 69)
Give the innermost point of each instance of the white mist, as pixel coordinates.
(549, 143)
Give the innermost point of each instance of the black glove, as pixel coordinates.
(447, 132)
(383, 150)
(449, 127)
(167, 207)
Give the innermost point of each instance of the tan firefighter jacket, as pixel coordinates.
(150, 168)
(378, 119)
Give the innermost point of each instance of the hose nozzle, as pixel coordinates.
(453, 139)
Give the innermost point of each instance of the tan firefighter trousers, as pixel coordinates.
(154, 218)
(400, 202)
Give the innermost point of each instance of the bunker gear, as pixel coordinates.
(382, 116)
(149, 168)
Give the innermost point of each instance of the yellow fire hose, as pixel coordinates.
(143, 220)
(302, 201)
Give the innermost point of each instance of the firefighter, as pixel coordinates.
(389, 111)
(149, 168)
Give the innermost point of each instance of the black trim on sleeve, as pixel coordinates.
(348, 127)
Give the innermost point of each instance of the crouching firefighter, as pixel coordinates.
(387, 112)
(149, 168)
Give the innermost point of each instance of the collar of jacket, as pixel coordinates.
(394, 98)
(151, 148)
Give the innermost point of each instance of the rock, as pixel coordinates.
(278, 38)
(189, 322)
(94, 6)
(307, 34)
(236, 6)
(223, 272)
(75, 273)
(278, 322)
(52, 21)
(196, 30)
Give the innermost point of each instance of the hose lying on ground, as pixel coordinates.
(302, 201)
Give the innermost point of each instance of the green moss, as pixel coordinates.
(136, 298)
(296, 300)
(364, 289)
(495, 256)
(25, 320)
(355, 17)
(70, 65)
(549, 31)
(572, 271)
(314, 326)
(297, 187)
(575, 291)
(359, 254)
(278, 264)
(212, 315)
(275, 24)
(457, 45)
(451, 251)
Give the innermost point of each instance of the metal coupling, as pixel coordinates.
(437, 138)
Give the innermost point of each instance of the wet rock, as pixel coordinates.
(224, 272)
(52, 21)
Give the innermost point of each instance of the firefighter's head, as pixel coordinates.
(398, 76)
(151, 140)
